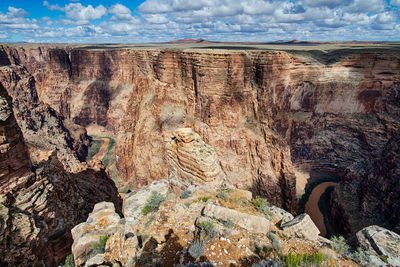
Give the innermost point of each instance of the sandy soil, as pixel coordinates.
(312, 208)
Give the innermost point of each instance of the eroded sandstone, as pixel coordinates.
(263, 112)
(41, 201)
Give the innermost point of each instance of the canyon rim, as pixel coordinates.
(88, 132)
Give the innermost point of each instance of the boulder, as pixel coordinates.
(249, 222)
(95, 261)
(135, 201)
(382, 245)
(103, 221)
(279, 215)
(302, 226)
(121, 249)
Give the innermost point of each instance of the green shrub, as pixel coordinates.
(187, 204)
(186, 194)
(207, 230)
(275, 242)
(259, 202)
(360, 257)
(339, 245)
(303, 260)
(221, 195)
(227, 223)
(262, 206)
(153, 203)
(268, 263)
(262, 250)
(196, 249)
(69, 261)
(204, 199)
(100, 247)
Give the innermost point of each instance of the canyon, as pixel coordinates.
(267, 115)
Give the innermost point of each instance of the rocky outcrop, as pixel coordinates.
(40, 205)
(249, 222)
(44, 129)
(301, 226)
(192, 161)
(150, 93)
(382, 245)
(201, 228)
(90, 237)
(331, 114)
(135, 201)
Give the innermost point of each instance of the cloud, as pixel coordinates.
(326, 3)
(79, 12)
(15, 19)
(233, 20)
(52, 7)
(17, 12)
(156, 18)
(120, 12)
(367, 6)
(154, 6)
(395, 2)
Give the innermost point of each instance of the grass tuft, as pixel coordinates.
(153, 203)
(69, 261)
(100, 247)
(339, 245)
(303, 260)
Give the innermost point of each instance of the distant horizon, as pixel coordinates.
(283, 41)
(155, 21)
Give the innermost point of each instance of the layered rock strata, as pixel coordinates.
(260, 110)
(44, 129)
(192, 161)
(40, 205)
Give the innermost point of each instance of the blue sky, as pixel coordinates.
(134, 21)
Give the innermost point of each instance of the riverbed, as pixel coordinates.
(312, 208)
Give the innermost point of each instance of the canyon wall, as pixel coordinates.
(44, 191)
(266, 113)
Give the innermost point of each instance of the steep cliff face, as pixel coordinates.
(262, 111)
(40, 201)
(44, 129)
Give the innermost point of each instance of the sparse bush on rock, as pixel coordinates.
(268, 263)
(186, 194)
(153, 202)
(303, 260)
(69, 261)
(360, 256)
(339, 245)
(100, 247)
(196, 250)
(227, 223)
(207, 230)
(262, 206)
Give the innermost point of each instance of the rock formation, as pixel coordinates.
(205, 227)
(192, 161)
(44, 130)
(301, 226)
(40, 202)
(265, 113)
(382, 245)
